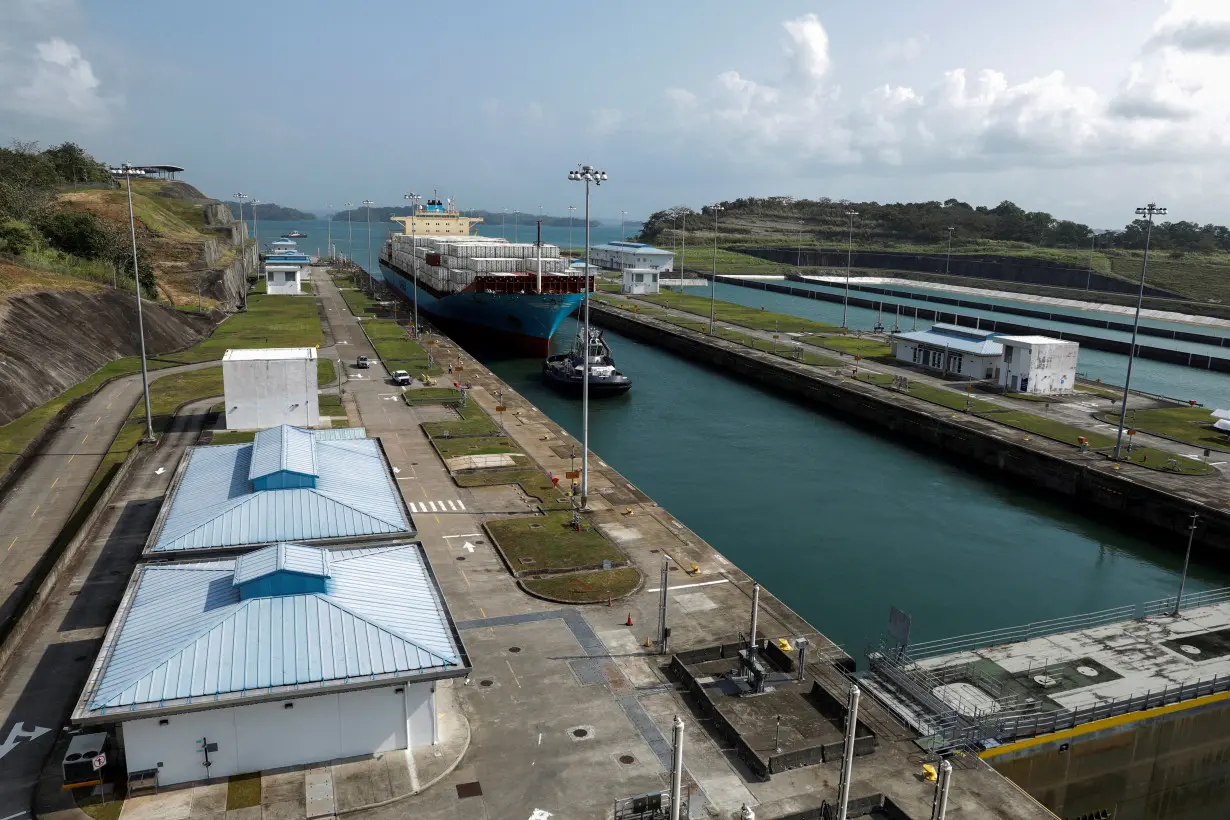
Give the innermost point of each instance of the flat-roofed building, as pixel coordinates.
(265, 387)
(1039, 365)
(619, 255)
(952, 350)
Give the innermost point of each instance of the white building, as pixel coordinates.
(266, 387)
(286, 656)
(640, 280)
(952, 350)
(1038, 364)
(285, 272)
(619, 255)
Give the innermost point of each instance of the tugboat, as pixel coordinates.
(566, 371)
(294, 235)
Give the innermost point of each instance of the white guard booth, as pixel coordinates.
(640, 280)
(1038, 365)
(265, 387)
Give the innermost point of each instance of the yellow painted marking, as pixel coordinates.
(35, 511)
(514, 674)
(464, 578)
(87, 435)
(11, 543)
(98, 419)
(56, 481)
(1105, 723)
(70, 458)
(480, 609)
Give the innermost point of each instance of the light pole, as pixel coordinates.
(256, 228)
(1093, 241)
(717, 209)
(950, 229)
(329, 229)
(623, 216)
(798, 262)
(1148, 212)
(243, 256)
(371, 283)
(516, 226)
(571, 210)
(127, 172)
(1191, 534)
(586, 174)
(504, 224)
(349, 231)
(683, 250)
(414, 260)
(845, 300)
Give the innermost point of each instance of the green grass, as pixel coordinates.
(586, 587)
(326, 372)
(534, 482)
(17, 434)
(1104, 392)
(432, 395)
(397, 350)
(473, 422)
(260, 287)
(1193, 425)
(95, 807)
(330, 404)
(852, 345)
(339, 423)
(359, 303)
(243, 791)
(269, 321)
(728, 261)
(731, 313)
(474, 446)
(233, 437)
(550, 543)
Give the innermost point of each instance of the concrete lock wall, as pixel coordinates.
(1173, 766)
(263, 736)
(263, 393)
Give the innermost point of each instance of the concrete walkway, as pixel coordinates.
(37, 507)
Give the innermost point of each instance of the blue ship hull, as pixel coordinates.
(525, 321)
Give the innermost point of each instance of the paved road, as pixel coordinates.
(42, 682)
(33, 512)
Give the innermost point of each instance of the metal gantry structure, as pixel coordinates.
(587, 174)
(128, 171)
(1148, 212)
(414, 199)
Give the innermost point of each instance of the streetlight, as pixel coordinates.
(571, 210)
(798, 262)
(1191, 534)
(1148, 212)
(242, 255)
(127, 172)
(1093, 241)
(504, 224)
(371, 283)
(586, 174)
(256, 228)
(845, 300)
(349, 231)
(950, 229)
(717, 209)
(683, 250)
(623, 215)
(415, 199)
(329, 229)
(516, 226)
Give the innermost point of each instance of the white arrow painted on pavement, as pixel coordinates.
(18, 733)
(397, 469)
(160, 471)
(468, 547)
(343, 343)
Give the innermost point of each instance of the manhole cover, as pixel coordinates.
(627, 760)
(461, 558)
(654, 551)
(527, 560)
(486, 682)
(479, 543)
(580, 733)
(1189, 649)
(535, 526)
(1044, 680)
(1087, 671)
(472, 789)
(514, 649)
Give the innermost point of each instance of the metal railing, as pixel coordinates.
(1039, 629)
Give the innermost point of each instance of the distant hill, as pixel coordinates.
(273, 212)
(382, 214)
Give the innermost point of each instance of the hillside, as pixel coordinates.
(271, 211)
(1190, 260)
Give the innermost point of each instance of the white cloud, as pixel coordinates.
(903, 51)
(42, 74)
(1173, 104)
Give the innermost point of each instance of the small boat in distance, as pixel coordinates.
(294, 234)
(566, 371)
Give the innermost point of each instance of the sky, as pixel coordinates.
(1086, 109)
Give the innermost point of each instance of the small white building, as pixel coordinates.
(285, 272)
(266, 387)
(952, 350)
(1038, 365)
(639, 281)
(620, 255)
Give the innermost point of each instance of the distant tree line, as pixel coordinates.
(928, 222)
(383, 214)
(272, 212)
(37, 229)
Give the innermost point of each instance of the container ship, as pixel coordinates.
(514, 293)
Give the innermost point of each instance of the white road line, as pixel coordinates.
(688, 586)
(452, 506)
(459, 504)
(11, 816)
(432, 504)
(465, 535)
(414, 507)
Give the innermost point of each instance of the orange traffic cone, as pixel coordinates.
(629, 621)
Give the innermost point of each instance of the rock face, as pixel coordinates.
(51, 341)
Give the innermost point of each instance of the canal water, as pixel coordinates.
(841, 523)
(1210, 388)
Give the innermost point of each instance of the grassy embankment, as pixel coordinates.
(1193, 425)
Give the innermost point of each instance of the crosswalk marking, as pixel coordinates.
(437, 506)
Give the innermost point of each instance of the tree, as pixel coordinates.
(74, 166)
(17, 237)
(81, 234)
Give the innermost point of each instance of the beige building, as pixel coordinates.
(436, 220)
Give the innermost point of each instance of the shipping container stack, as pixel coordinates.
(449, 263)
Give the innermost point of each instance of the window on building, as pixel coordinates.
(917, 354)
(640, 277)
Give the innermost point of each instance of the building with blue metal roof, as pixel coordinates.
(289, 484)
(619, 255)
(952, 350)
(285, 656)
(286, 268)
